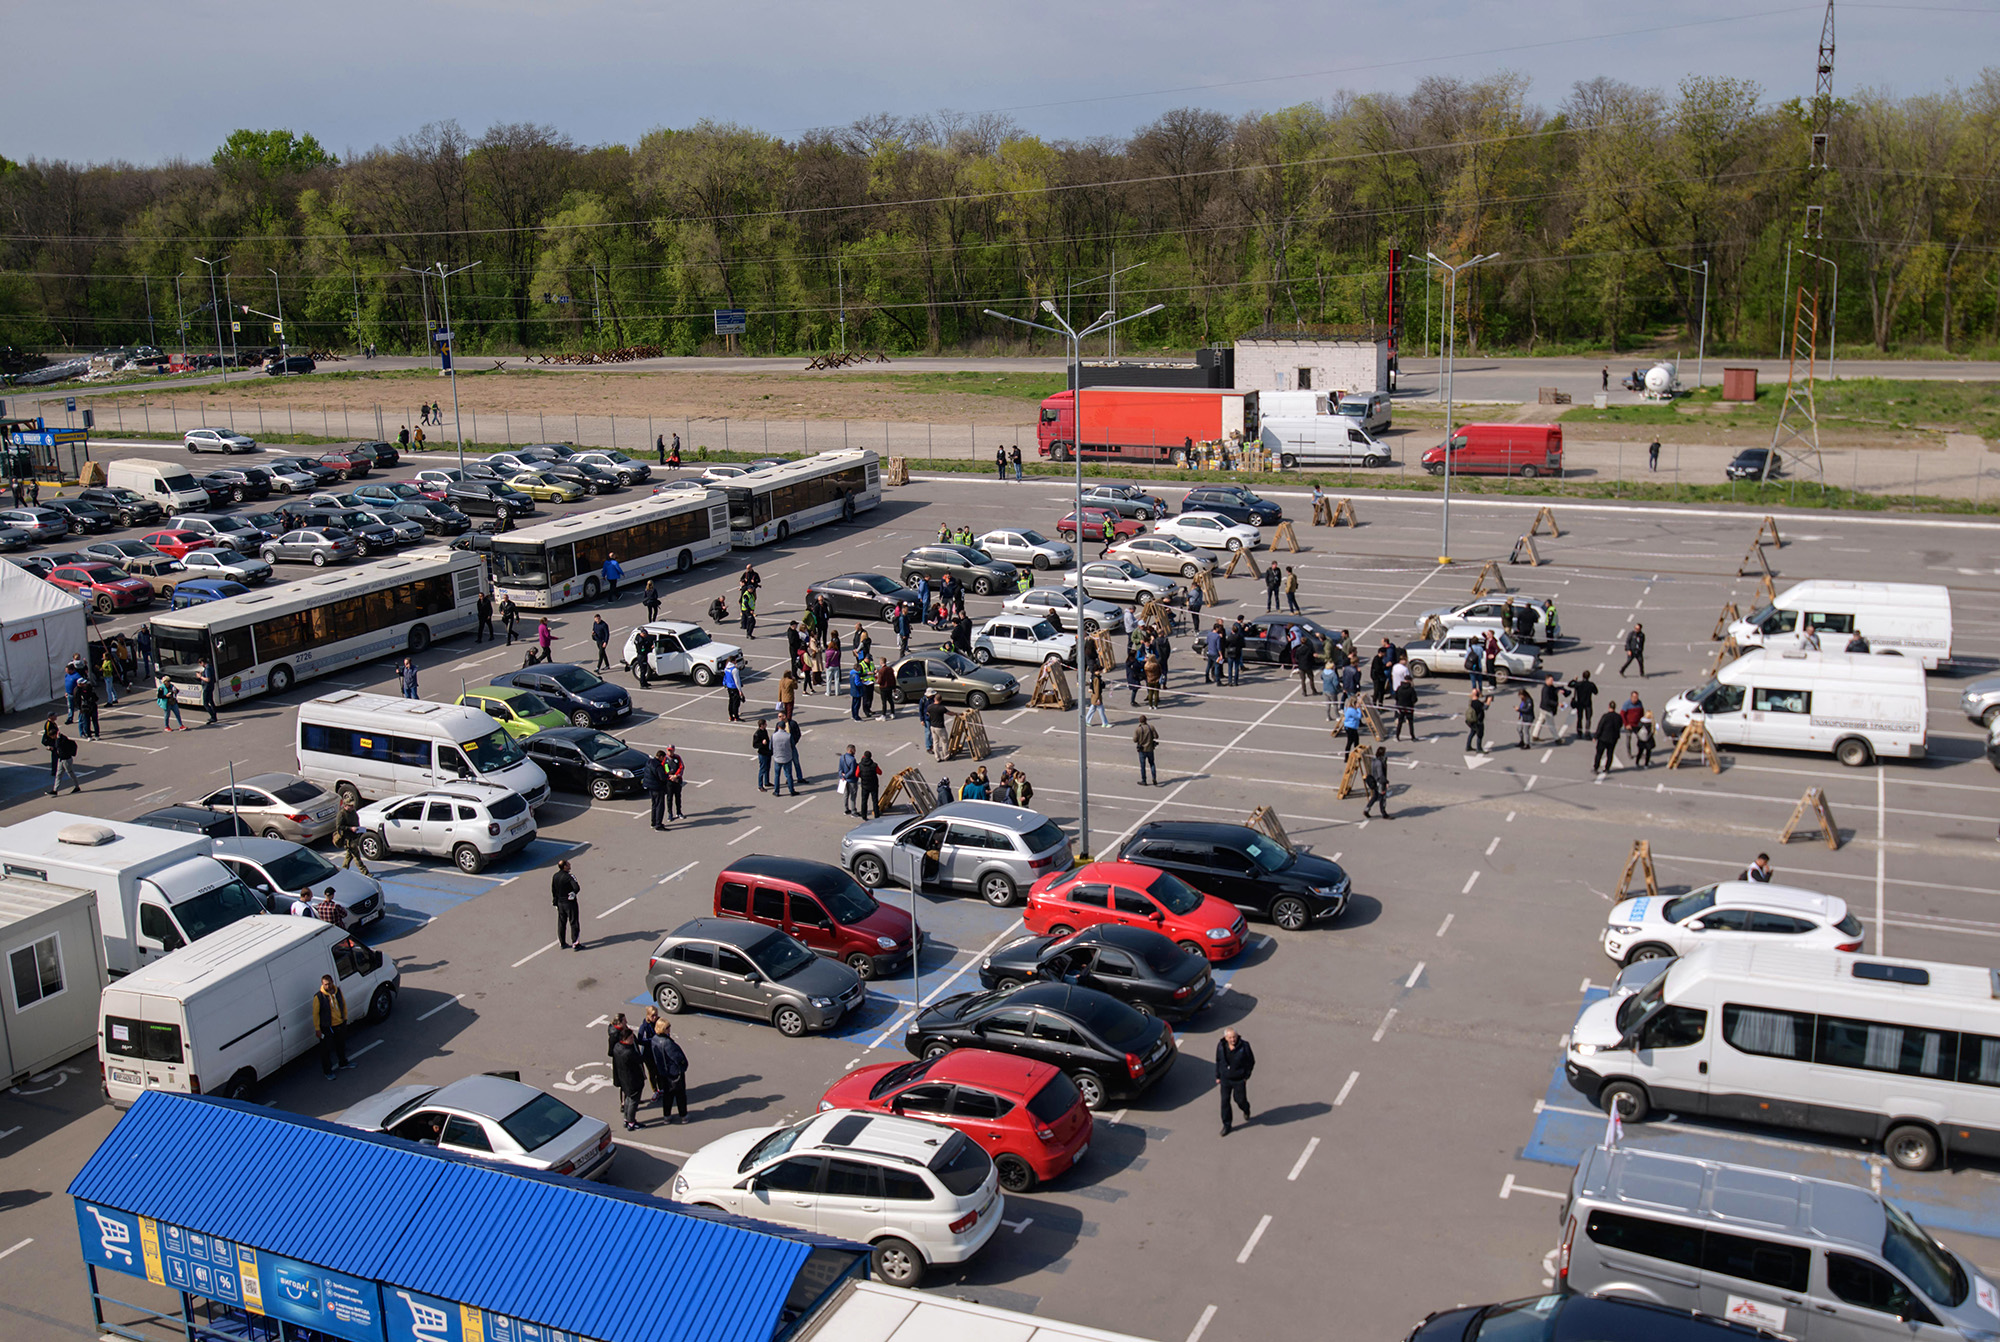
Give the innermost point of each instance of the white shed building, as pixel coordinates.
(1313, 359)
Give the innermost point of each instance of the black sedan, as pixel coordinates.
(1109, 1050)
(869, 596)
(979, 571)
(1245, 866)
(245, 483)
(1234, 502)
(1264, 638)
(1136, 965)
(1578, 1318)
(1751, 464)
(590, 478)
(84, 518)
(583, 759)
(588, 698)
(435, 518)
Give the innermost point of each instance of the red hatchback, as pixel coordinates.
(1026, 1114)
(105, 586)
(1135, 896)
(176, 544)
(1093, 525)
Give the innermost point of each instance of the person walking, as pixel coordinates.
(483, 607)
(675, 768)
(563, 890)
(1291, 588)
(545, 640)
(1234, 1062)
(1642, 743)
(1759, 872)
(1110, 535)
(746, 602)
(1135, 674)
(62, 750)
(674, 451)
(1631, 714)
(329, 1017)
(108, 671)
(408, 675)
(168, 696)
(1147, 740)
(510, 617)
(1376, 776)
(1211, 653)
(1548, 705)
(650, 599)
(669, 1066)
(327, 909)
(854, 691)
(612, 573)
(655, 782)
(902, 626)
(868, 780)
(1524, 717)
(1406, 710)
(600, 634)
(784, 754)
(1272, 579)
(1583, 694)
(1350, 724)
(1095, 712)
(1653, 456)
(732, 684)
(1604, 378)
(142, 643)
(1635, 649)
(843, 768)
(1475, 665)
(206, 679)
(628, 1074)
(937, 728)
(760, 741)
(1475, 724)
(1609, 728)
(347, 834)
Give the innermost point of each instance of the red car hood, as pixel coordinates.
(887, 921)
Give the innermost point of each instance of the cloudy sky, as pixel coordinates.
(114, 79)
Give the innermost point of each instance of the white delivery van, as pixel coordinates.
(157, 889)
(172, 487)
(1905, 1053)
(55, 969)
(1328, 440)
(1855, 706)
(1905, 618)
(1291, 404)
(226, 1012)
(372, 746)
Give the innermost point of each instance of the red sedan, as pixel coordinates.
(1136, 896)
(351, 466)
(176, 544)
(1026, 1114)
(1093, 525)
(105, 586)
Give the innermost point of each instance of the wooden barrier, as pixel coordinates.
(1490, 570)
(1357, 760)
(1641, 861)
(1345, 508)
(967, 732)
(1242, 556)
(1813, 804)
(1728, 617)
(897, 472)
(922, 796)
(1769, 589)
(1694, 734)
(1322, 511)
(1525, 546)
(1106, 650)
(1265, 820)
(1285, 536)
(1770, 525)
(1754, 562)
(1204, 582)
(1724, 655)
(1545, 515)
(1051, 688)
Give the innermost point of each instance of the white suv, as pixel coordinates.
(683, 649)
(1021, 638)
(1651, 926)
(918, 1192)
(471, 823)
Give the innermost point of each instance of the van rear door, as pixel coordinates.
(166, 1060)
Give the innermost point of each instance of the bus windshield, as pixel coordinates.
(179, 649)
(493, 752)
(528, 566)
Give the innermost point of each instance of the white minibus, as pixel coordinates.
(372, 746)
(1855, 706)
(1904, 618)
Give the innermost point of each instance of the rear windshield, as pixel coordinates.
(961, 1167)
(1054, 1100)
(296, 794)
(508, 806)
(1850, 925)
(152, 1041)
(539, 1122)
(1166, 959)
(1520, 1320)
(1111, 1020)
(1045, 836)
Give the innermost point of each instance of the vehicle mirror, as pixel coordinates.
(753, 977)
(1696, 925)
(1158, 917)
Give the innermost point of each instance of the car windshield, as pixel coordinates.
(1688, 905)
(1266, 853)
(300, 868)
(493, 752)
(779, 956)
(602, 746)
(212, 910)
(772, 1146)
(1043, 631)
(529, 705)
(539, 1122)
(1922, 1259)
(897, 1077)
(1641, 1004)
(1518, 1321)
(1044, 837)
(694, 638)
(845, 898)
(222, 556)
(577, 680)
(962, 1166)
(1035, 538)
(1174, 894)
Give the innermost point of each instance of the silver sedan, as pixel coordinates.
(1445, 656)
(1120, 580)
(1164, 554)
(494, 1118)
(1024, 545)
(1059, 607)
(227, 564)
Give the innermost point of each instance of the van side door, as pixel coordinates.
(1782, 717)
(1857, 1299)
(1763, 1281)
(1672, 1053)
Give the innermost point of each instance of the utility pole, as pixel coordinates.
(284, 352)
(216, 308)
(1451, 352)
(235, 352)
(181, 314)
(1701, 348)
(840, 271)
(152, 338)
(355, 276)
(451, 364)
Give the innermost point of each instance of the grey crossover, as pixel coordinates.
(743, 969)
(973, 847)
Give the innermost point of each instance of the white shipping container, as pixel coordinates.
(54, 956)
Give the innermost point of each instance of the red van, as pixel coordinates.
(819, 904)
(1502, 449)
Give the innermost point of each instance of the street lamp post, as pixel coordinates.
(1833, 312)
(1450, 353)
(180, 314)
(1076, 338)
(1701, 348)
(451, 338)
(284, 350)
(216, 308)
(1069, 291)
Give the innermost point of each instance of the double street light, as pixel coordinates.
(216, 308)
(449, 338)
(1451, 351)
(1062, 328)
(1700, 349)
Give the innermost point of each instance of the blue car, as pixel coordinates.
(201, 591)
(587, 698)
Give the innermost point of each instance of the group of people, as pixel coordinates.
(430, 414)
(1004, 457)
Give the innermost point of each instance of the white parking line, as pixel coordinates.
(1508, 1188)
(1346, 1086)
(531, 955)
(1445, 926)
(1380, 1030)
(1415, 974)
(747, 833)
(371, 1044)
(1304, 1156)
(448, 1002)
(1881, 858)
(656, 1150)
(1470, 881)
(1491, 846)
(797, 804)
(1201, 1324)
(31, 1239)
(1250, 1245)
(676, 874)
(607, 913)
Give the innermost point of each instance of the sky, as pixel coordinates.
(146, 83)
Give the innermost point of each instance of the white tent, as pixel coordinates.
(41, 628)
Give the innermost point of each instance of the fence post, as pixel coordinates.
(507, 420)
(725, 433)
(843, 435)
(542, 424)
(928, 457)
(614, 433)
(576, 428)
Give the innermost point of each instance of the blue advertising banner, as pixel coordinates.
(415, 1317)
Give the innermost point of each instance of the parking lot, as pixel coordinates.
(1412, 1129)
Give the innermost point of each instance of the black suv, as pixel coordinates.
(83, 517)
(372, 537)
(291, 363)
(1235, 503)
(131, 508)
(979, 571)
(1750, 463)
(198, 820)
(435, 518)
(1245, 866)
(385, 454)
(487, 498)
(245, 482)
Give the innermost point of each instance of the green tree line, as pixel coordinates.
(910, 228)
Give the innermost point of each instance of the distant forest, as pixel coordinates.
(914, 226)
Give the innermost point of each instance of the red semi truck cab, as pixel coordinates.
(1142, 424)
(1500, 449)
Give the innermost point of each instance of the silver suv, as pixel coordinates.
(746, 969)
(986, 847)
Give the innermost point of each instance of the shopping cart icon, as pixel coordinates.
(113, 1237)
(427, 1322)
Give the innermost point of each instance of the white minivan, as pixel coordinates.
(372, 745)
(1326, 440)
(1855, 706)
(170, 485)
(1904, 618)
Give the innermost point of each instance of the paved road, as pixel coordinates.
(1408, 1139)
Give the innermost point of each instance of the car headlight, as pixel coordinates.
(680, 1186)
(621, 773)
(822, 1002)
(1626, 929)
(885, 943)
(1584, 1050)
(1218, 934)
(1328, 891)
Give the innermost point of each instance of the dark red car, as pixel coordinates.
(175, 543)
(348, 465)
(1135, 896)
(1026, 1114)
(1093, 525)
(105, 586)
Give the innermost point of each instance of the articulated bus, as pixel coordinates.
(271, 638)
(554, 563)
(771, 504)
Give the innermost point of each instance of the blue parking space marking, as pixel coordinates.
(22, 780)
(416, 892)
(1965, 1199)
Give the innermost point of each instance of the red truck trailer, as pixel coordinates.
(1143, 424)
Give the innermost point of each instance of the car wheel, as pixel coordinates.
(1629, 1097)
(1651, 950)
(1143, 1008)
(983, 656)
(590, 589)
(1089, 1089)
(420, 637)
(468, 858)
(998, 889)
(790, 1022)
(1289, 913)
(580, 718)
(600, 788)
(374, 847)
(684, 562)
(273, 832)
(319, 558)
(1180, 456)
(381, 1004)
(1065, 535)
(1375, 460)
(982, 586)
(1143, 514)
(269, 554)
(1529, 472)
(1435, 470)
(280, 678)
(937, 1048)
(862, 963)
(1911, 1146)
(869, 871)
(1192, 948)
(236, 494)
(1061, 930)
(1190, 570)
(1041, 562)
(1853, 752)
(505, 512)
(103, 604)
(1989, 717)
(888, 614)
(897, 1262)
(1007, 983)
(977, 701)
(703, 676)
(360, 548)
(668, 998)
(1418, 670)
(1288, 461)
(1016, 1174)
(1235, 543)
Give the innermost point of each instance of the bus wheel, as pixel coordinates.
(420, 637)
(684, 563)
(1911, 1146)
(784, 532)
(590, 589)
(280, 678)
(1853, 752)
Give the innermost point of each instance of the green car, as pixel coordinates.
(520, 712)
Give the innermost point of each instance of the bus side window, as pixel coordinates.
(1830, 624)
(451, 760)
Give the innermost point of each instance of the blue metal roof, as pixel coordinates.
(608, 1264)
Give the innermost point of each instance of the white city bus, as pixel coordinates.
(771, 504)
(555, 563)
(270, 638)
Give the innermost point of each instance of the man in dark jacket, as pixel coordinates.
(1583, 693)
(563, 891)
(1271, 580)
(670, 1066)
(628, 1073)
(868, 786)
(1635, 650)
(655, 779)
(329, 1017)
(1232, 650)
(1406, 708)
(1609, 727)
(1233, 1064)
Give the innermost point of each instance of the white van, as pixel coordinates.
(172, 487)
(1855, 706)
(1905, 618)
(1905, 1053)
(1326, 441)
(1291, 404)
(233, 1007)
(371, 746)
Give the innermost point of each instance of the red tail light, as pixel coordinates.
(1848, 946)
(194, 1084)
(1135, 1065)
(965, 1223)
(493, 827)
(1181, 993)
(1562, 1257)
(298, 819)
(567, 1167)
(1046, 1134)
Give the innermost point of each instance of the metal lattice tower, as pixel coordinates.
(1796, 435)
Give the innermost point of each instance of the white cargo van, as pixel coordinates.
(372, 746)
(1855, 706)
(157, 889)
(1905, 618)
(1328, 440)
(1291, 404)
(1905, 1053)
(234, 1008)
(172, 487)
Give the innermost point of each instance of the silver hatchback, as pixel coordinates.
(984, 847)
(746, 969)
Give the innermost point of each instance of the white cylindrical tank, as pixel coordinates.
(1662, 377)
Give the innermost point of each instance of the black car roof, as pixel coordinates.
(818, 877)
(729, 931)
(1213, 831)
(1140, 939)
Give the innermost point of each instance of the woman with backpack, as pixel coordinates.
(168, 696)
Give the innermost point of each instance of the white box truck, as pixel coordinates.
(172, 487)
(55, 970)
(1906, 619)
(157, 889)
(220, 1015)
